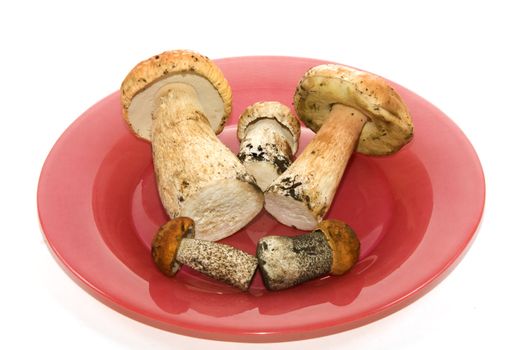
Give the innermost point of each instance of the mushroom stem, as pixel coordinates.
(288, 261)
(265, 151)
(197, 175)
(302, 195)
(268, 135)
(219, 261)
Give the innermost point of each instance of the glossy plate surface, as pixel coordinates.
(415, 212)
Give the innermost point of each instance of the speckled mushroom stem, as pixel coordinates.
(197, 175)
(301, 196)
(333, 248)
(287, 261)
(219, 261)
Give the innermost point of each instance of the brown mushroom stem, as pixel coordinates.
(197, 175)
(302, 195)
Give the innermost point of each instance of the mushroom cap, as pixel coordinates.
(146, 79)
(389, 125)
(271, 110)
(166, 243)
(343, 242)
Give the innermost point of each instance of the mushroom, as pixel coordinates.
(348, 109)
(333, 248)
(268, 135)
(179, 100)
(174, 245)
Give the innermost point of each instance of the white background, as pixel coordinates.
(469, 59)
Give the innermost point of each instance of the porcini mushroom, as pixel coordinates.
(333, 248)
(348, 109)
(174, 245)
(179, 100)
(268, 135)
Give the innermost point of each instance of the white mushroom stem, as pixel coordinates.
(302, 195)
(197, 175)
(265, 151)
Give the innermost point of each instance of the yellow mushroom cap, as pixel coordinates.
(389, 125)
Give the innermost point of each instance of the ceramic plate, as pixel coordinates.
(415, 213)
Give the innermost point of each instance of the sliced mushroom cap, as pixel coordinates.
(275, 111)
(389, 126)
(166, 243)
(151, 77)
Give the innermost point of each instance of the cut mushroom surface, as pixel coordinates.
(268, 135)
(349, 109)
(179, 100)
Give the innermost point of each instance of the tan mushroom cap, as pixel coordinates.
(271, 110)
(344, 244)
(142, 85)
(166, 243)
(389, 125)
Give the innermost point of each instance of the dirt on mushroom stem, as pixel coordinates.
(268, 135)
(265, 151)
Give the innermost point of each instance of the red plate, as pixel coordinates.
(415, 212)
